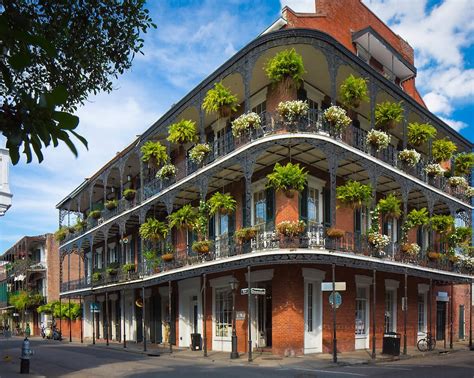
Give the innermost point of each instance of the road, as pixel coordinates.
(53, 359)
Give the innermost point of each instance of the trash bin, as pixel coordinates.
(196, 342)
(391, 343)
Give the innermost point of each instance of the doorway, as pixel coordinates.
(262, 314)
(440, 320)
(312, 317)
(462, 325)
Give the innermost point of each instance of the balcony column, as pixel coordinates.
(333, 65)
(202, 125)
(333, 163)
(373, 88)
(168, 201)
(122, 248)
(248, 163)
(104, 180)
(106, 257)
(141, 180)
(430, 211)
(141, 220)
(121, 168)
(247, 74)
(406, 114)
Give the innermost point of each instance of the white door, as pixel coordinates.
(362, 318)
(312, 317)
(222, 319)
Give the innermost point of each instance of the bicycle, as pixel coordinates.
(426, 344)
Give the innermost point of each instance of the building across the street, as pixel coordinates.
(400, 262)
(5, 193)
(31, 266)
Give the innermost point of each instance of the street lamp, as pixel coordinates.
(233, 285)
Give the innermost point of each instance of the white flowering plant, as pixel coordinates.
(458, 182)
(199, 152)
(379, 139)
(411, 249)
(292, 110)
(337, 118)
(378, 240)
(167, 171)
(409, 157)
(470, 192)
(245, 122)
(434, 170)
(466, 262)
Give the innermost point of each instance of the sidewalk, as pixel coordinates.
(266, 359)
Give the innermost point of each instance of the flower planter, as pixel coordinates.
(335, 233)
(130, 196)
(291, 242)
(225, 111)
(434, 256)
(167, 257)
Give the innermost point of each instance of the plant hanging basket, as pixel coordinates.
(130, 196)
(167, 257)
(110, 206)
(225, 111)
(290, 193)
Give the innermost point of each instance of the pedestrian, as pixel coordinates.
(27, 330)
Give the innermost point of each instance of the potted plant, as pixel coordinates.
(96, 276)
(80, 225)
(409, 158)
(182, 132)
(292, 111)
(220, 100)
(442, 224)
(151, 258)
(291, 229)
(153, 229)
(335, 233)
(199, 152)
(434, 256)
(353, 91)
(245, 122)
(337, 119)
(184, 217)
(411, 249)
(111, 204)
(289, 178)
(168, 256)
(166, 172)
(388, 114)
(94, 214)
(443, 149)
(469, 192)
(111, 271)
(202, 246)
(154, 153)
(378, 241)
(354, 194)
(458, 182)
(222, 203)
(463, 163)
(128, 267)
(61, 234)
(379, 140)
(420, 133)
(129, 194)
(286, 68)
(390, 206)
(245, 234)
(434, 170)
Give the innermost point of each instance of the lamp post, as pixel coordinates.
(233, 285)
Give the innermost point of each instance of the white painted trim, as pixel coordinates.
(423, 288)
(265, 139)
(316, 182)
(391, 284)
(260, 275)
(363, 280)
(313, 274)
(221, 281)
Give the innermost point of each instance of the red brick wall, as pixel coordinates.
(286, 208)
(75, 328)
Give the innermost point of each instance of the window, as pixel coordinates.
(260, 108)
(112, 252)
(389, 311)
(223, 312)
(260, 208)
(422, 313)
(310, 308)
(313, 206)
(222, 224)
(361, 325)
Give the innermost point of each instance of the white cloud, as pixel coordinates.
(456, 125)
(302, 6)
(437, 103)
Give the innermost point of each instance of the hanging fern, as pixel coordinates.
(287, 177)
(353, 91)
(182, 132)
(184, 217)
(443, 149)
(390, 206)
(154, 151)
(219, 98)
(222, 203)
(153, 229)
(286, 63)
(354, 194)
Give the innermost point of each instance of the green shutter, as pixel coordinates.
(270, 208)
(357, 221)
(327, 207)
(303, 204)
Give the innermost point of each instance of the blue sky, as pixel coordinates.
(192, 39)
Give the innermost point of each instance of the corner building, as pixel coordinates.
(191, 294)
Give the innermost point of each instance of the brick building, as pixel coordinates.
(32, 265)
(130, 293)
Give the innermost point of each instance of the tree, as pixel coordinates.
(53, 54)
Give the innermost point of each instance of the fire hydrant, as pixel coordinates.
(26, 354)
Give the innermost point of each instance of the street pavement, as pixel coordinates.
(63, 359)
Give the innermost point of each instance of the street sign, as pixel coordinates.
(442, 299)
(94, 307)
(240, 315)
(327, 286)
(253, 291)
(335, 300)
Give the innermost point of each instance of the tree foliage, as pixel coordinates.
(61, 310)
(53, 55)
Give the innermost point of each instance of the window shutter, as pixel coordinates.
(357, 221)
(385, 228)
(231, 227)
(303, 205)
(327, 207)
(244, 211)
(212, 228)
(419, 237)
(270, 208)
